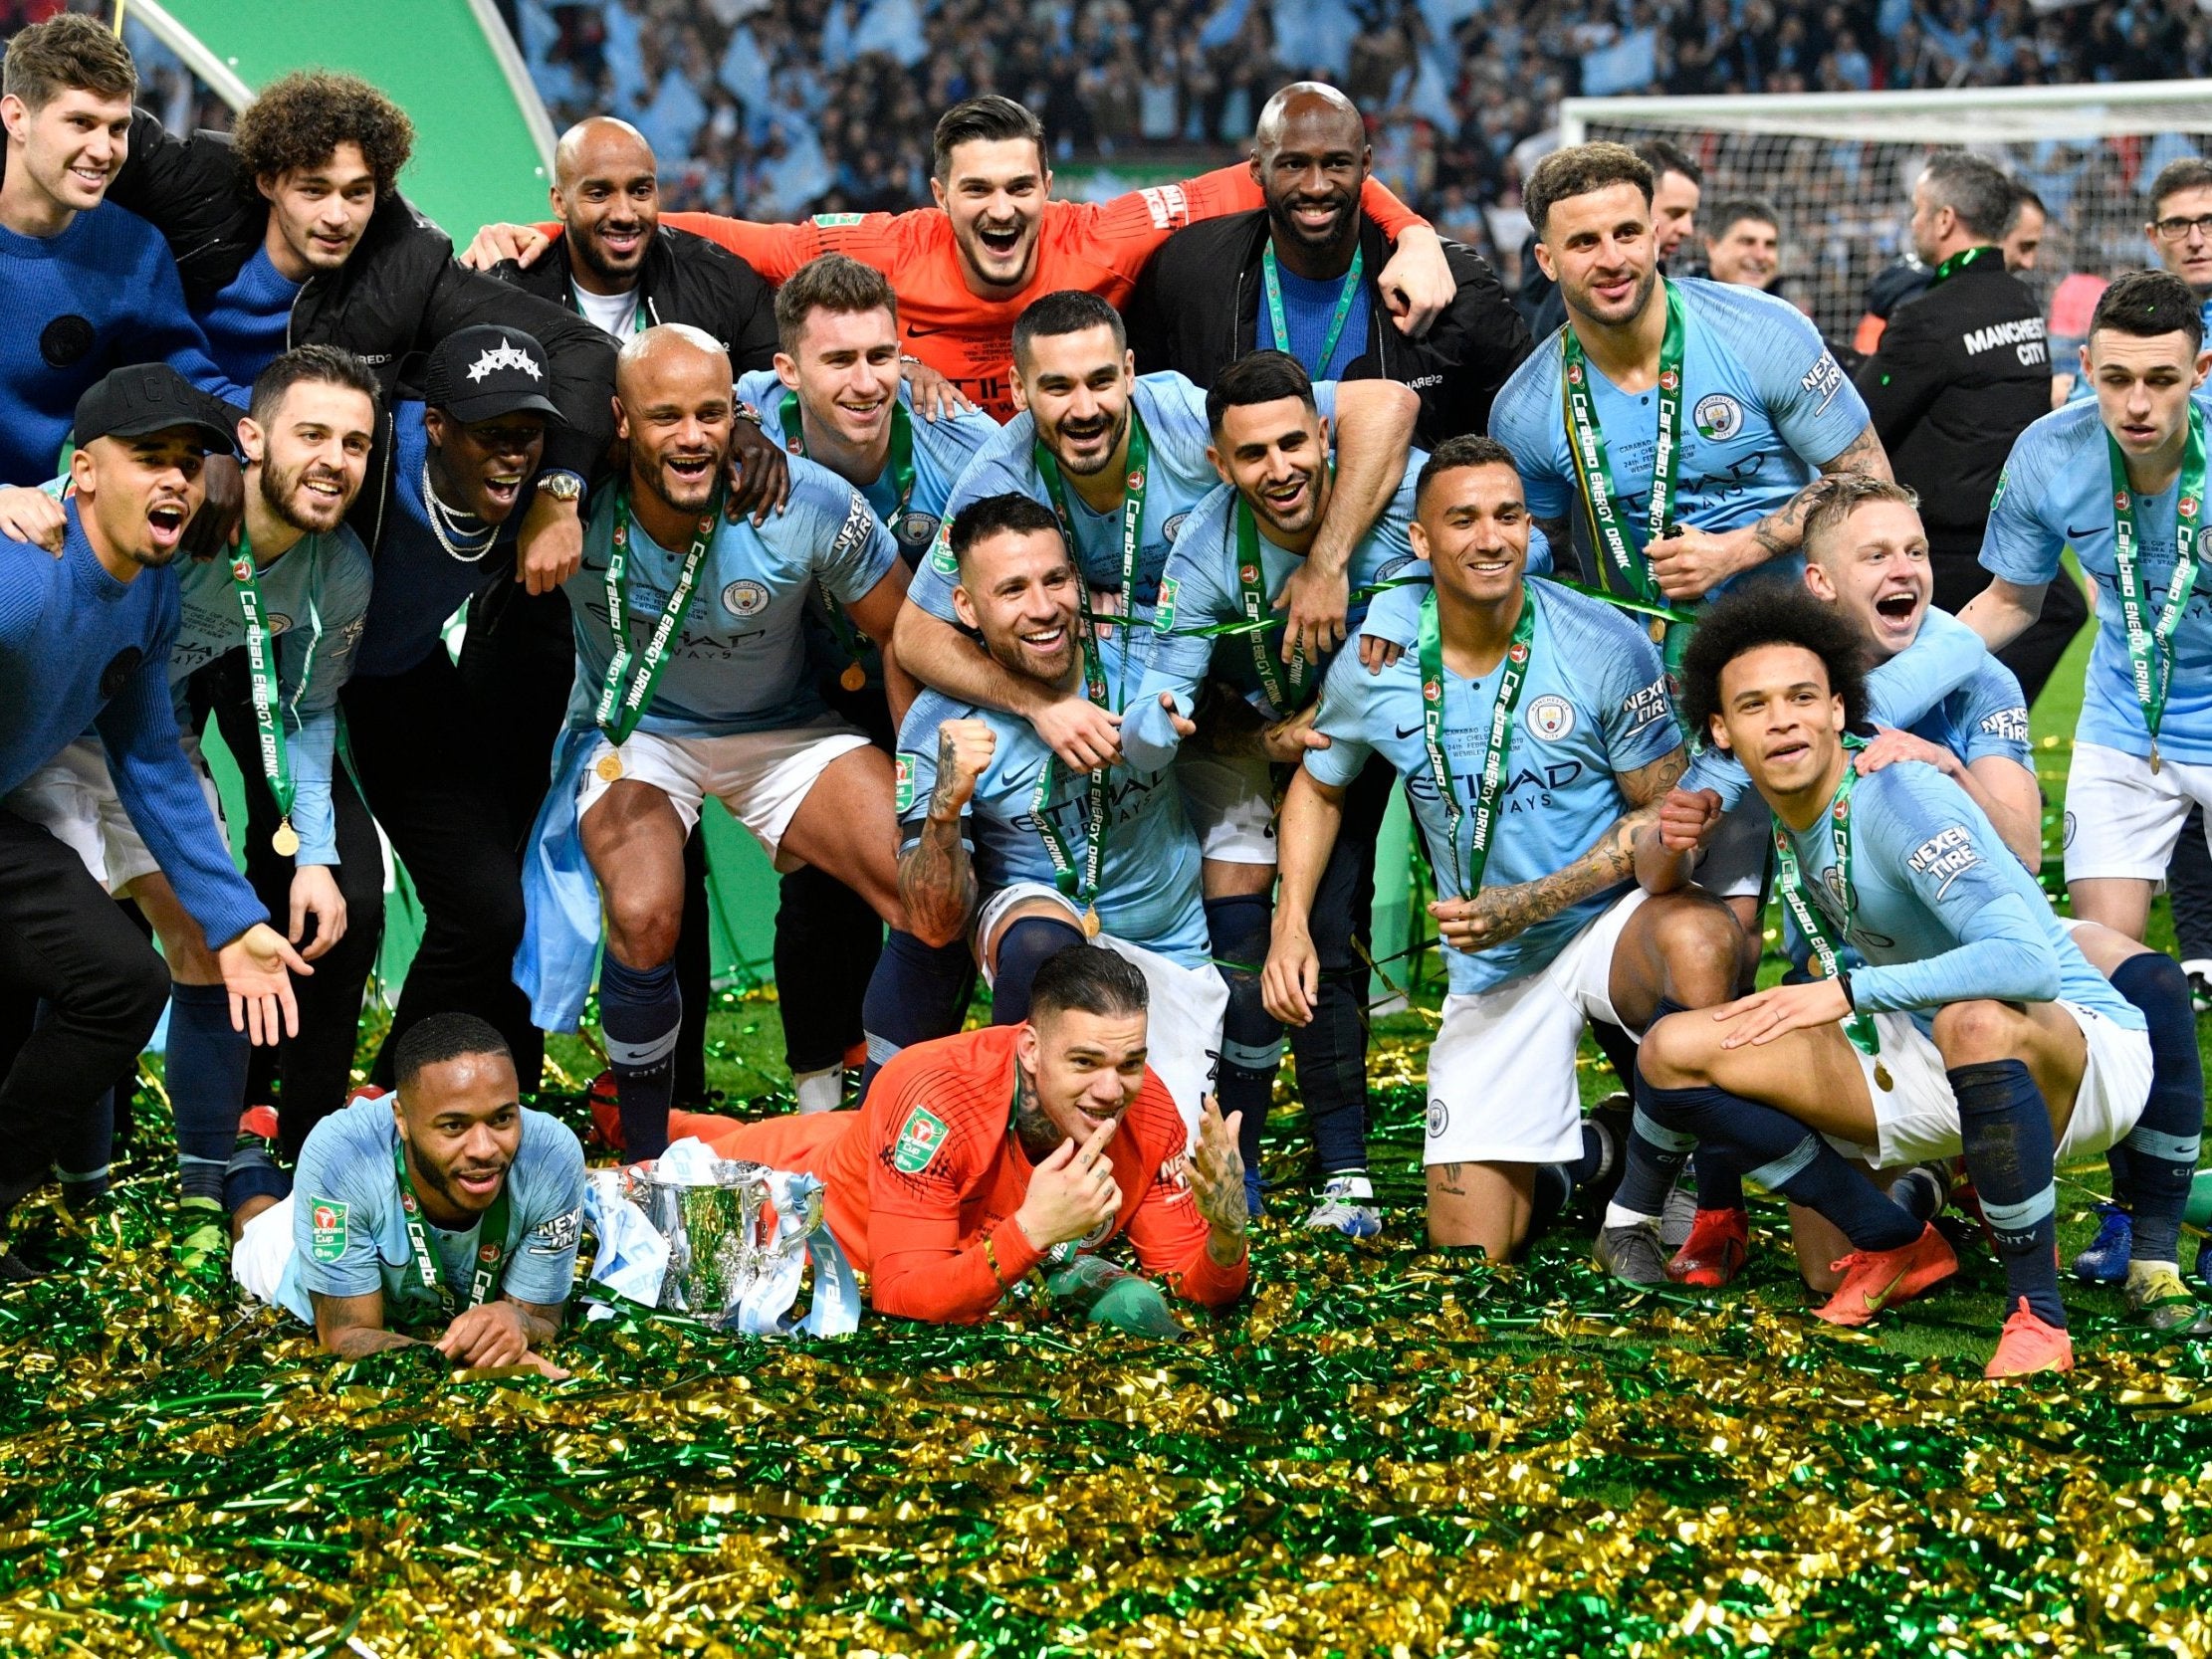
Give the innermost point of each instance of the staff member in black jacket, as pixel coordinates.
(1959, 374)
(623, 268)
(1305, 265)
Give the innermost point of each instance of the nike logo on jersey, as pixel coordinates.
(1408, 731)
(914, 333)
(2073, 534)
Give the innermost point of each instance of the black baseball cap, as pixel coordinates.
(140, 399)
(476, 373)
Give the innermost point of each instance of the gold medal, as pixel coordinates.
(1658, 630)
(855, 678)
(1883, 1080)
(1090, 923)
(609, 767)
(286, 840)
(2153, 757)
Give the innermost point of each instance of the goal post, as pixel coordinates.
(1840, 167)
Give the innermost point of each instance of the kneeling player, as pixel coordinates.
(444, 1200)
(1057, 855)
(1979, 1025)
(1534, 732)
(691, 681)
(978, 1160)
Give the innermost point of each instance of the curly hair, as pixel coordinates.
(1761, 614)
(299, 119)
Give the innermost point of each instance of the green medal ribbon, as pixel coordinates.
(901, 462)
(1492, 781)
(491, 1251)
(1272, 279)
(1620, 558)
(1132, 522)
(2150, 649)
(1812, 921)
(1251, 594)
(1958, 262)
(1079, 886)
(260, 674)
(625, 695)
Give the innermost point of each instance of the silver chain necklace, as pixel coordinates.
(439, 512)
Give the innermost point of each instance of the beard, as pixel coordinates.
(280, 490)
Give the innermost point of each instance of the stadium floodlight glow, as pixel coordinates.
(1840, 165)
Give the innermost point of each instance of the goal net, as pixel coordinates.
(1840, 169)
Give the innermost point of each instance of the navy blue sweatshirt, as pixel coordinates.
(79, 650)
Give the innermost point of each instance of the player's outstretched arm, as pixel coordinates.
(1374, 435)
(2004, 610)
(1692, 563)
(1497, 914)
(1312, 816)
(1084, 735)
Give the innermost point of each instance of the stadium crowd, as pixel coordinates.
(1059, 593)
(799, 107)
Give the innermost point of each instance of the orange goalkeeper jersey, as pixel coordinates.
(1098, 246)
(923, 1181)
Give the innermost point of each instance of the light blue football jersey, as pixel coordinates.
(1149, 888)
(1943, 912)
(1764, 405)
(2056, 491)
(738, 663)
(345, 1181)
(943, 450)
(1200, 591)
(1594, 707)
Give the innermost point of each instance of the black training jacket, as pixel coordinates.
(685, 279)
(1195, 309)
(1961, 370)
(397, 295)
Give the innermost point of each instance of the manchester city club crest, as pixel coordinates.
(745, 597)
(1718, 417)
(916, 529)
(1551, 717)
(1174, 526)
(1439, 1116)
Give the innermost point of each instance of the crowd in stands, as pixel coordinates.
(791, 106)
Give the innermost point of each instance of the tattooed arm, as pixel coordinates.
(1693, 563)
(1498, 913)
(937, 879)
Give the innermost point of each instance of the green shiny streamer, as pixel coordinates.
(1385, 1449)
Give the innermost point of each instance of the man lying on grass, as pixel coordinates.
(446, 1202)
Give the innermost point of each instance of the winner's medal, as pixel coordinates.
(855, 677)
(1091, 923)
(2150, 642)
(609, 768)
(260, 674)
(1490, 784)
(1864, 1035)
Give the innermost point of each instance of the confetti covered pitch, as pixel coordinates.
(1389, 1452)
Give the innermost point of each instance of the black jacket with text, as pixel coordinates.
(1960, 373)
